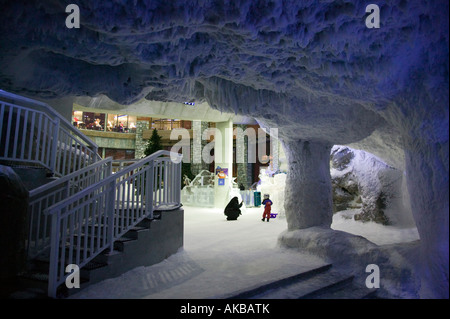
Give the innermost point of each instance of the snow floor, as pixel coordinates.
(221, 257)
(376, 233)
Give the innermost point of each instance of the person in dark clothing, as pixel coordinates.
(232, 211)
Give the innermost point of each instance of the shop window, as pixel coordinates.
(89, 120)
(132, 124)
(121, 123)
(176, 124)
(77, 118)
(186, 124)
(169, 124)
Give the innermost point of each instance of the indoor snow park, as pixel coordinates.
(224, 150)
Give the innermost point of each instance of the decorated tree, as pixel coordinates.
(154, 143)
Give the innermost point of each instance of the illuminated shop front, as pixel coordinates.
(122, 123)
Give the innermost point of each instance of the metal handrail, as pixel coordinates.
(21, 118)
(45, 187)
(106, 210)
(39, 199)
(45, 108)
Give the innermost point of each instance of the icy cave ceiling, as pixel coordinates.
(312, 68)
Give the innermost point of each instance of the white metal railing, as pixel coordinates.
(39, 199)
(32, 132)
(167, 183)
(87, 223)
(27, 135)
(72, 154)
(162, 170)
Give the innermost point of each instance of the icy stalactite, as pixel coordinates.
(308, 198)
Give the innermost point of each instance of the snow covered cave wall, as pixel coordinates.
(310, 68)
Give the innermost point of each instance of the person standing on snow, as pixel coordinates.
(267, 207)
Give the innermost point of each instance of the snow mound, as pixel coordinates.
(353, 253)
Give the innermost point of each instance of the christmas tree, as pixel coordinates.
(154, 143)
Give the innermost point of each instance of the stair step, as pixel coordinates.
(40, 265)
(310, 287)
(121, 243)
(319, 283)
(143, 224)
(42, 260)
(42, 275)
(34, 285)
(45, 257)
(133, 233)
(256, 291)
(35, 275)
(352, 291)
(146, 222)
(333, 282)
(31, 284)
(94, 265)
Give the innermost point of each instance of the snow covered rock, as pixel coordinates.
(345, 185)
(361, 180)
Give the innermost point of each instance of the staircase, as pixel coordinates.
(140, 246)
(34, 282)
(82, 213)
(319, 283)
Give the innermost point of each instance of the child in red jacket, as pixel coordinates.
(267, 207)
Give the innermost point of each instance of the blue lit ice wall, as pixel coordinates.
(311, 68)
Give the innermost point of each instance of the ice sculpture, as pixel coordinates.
(199, 192)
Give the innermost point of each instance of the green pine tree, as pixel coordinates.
(154, 143)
